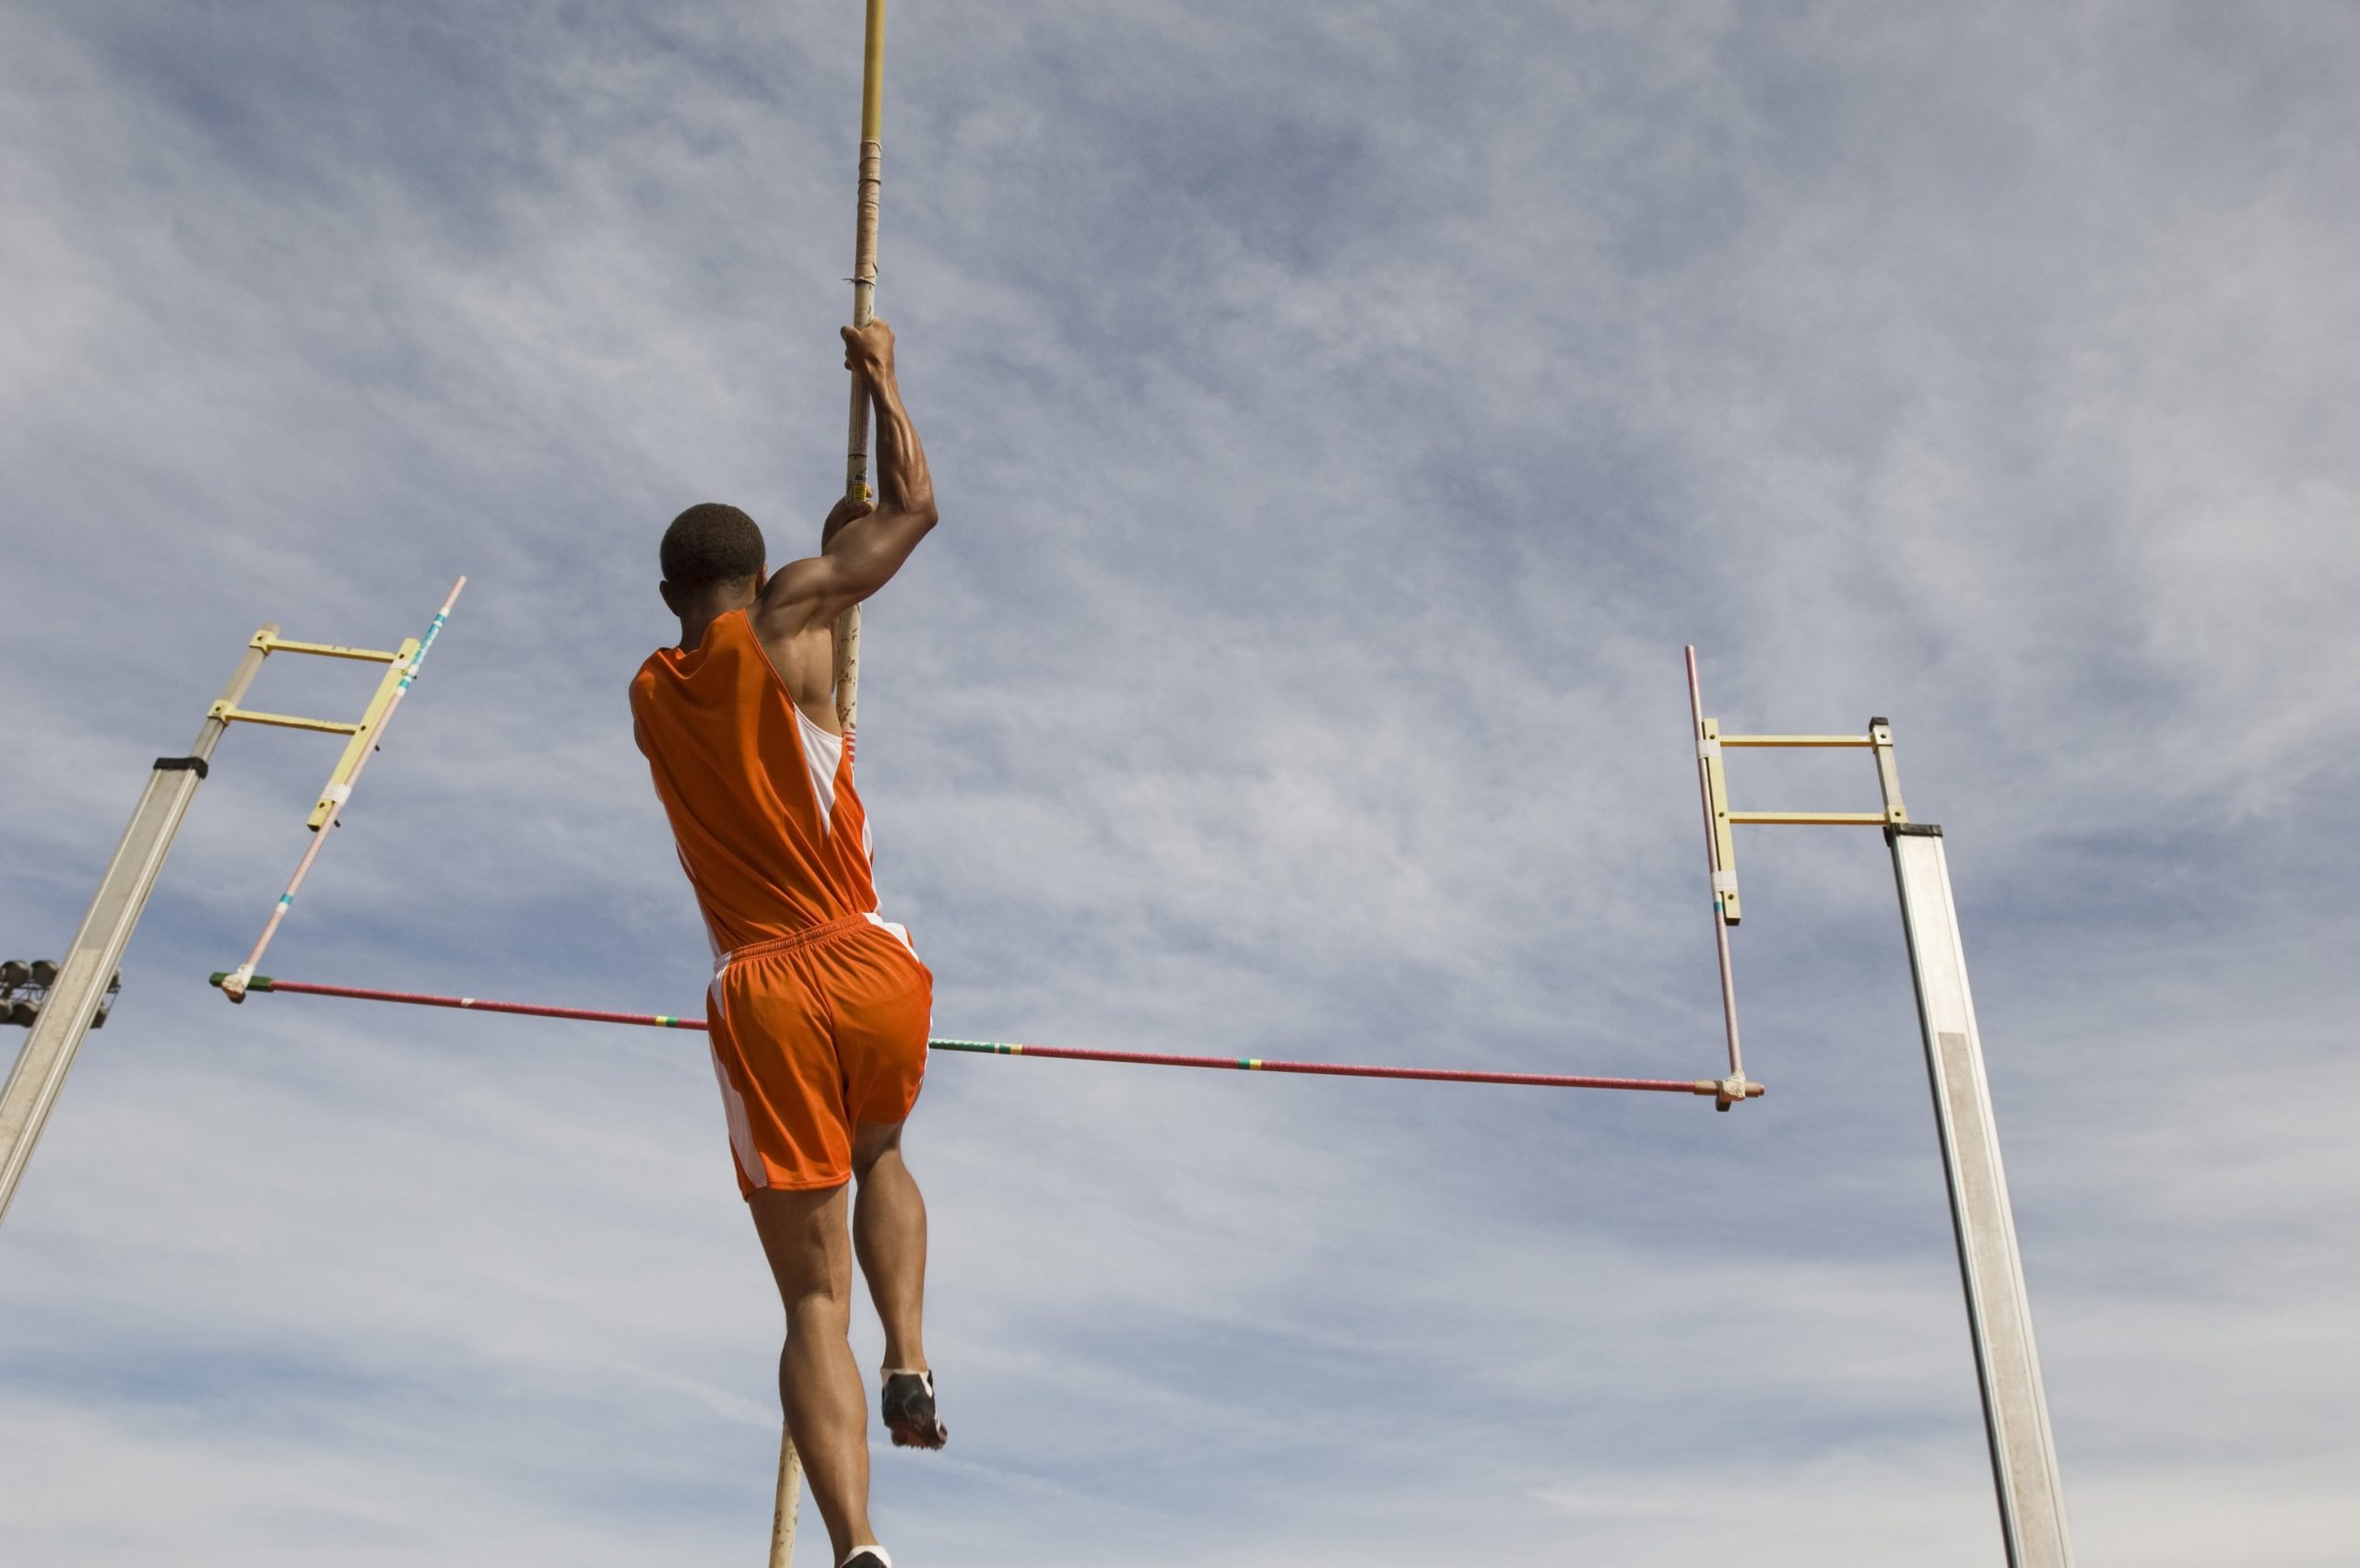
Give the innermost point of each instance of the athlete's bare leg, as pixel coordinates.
(888, 1233)
(818, 1384)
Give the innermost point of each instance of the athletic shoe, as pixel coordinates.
(868, 1557)
(908, 1405)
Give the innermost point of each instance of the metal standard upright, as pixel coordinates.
(1991, 1271)
(97, 949)
(97, 946)
(2015, 1406)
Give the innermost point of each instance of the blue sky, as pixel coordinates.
(1342, 415)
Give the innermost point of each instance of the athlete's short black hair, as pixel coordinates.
(711, 543)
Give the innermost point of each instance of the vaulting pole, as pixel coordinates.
(863, 309)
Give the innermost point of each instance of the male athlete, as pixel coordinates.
(819, 1008)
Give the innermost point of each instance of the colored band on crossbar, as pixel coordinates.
(1703, 1086)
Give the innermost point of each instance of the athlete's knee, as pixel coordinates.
(871, 1141)
(803, 1237)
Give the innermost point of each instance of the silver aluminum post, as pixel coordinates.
(1999, 1315)
(1999, 1312)
(97, 950)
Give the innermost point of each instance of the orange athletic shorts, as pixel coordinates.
(811, 1033)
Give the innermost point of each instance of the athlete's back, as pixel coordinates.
(761, 798)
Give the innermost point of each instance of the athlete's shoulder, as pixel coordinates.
(650, 670)
(657, 683)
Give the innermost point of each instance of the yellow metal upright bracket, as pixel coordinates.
(270, 643)
(1723, 842)
(401, 669)
(1879, 740)
(340, 783)
(231, 714)
(1888, 776)
(400, 665)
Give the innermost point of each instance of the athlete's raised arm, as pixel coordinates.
(861, 547)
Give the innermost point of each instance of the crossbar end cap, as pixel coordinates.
(1730, 1089)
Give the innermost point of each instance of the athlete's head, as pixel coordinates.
(712, 551)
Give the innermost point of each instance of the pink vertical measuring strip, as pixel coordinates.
(235, 985)
(1713, 860)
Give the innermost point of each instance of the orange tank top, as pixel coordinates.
(762, 807)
